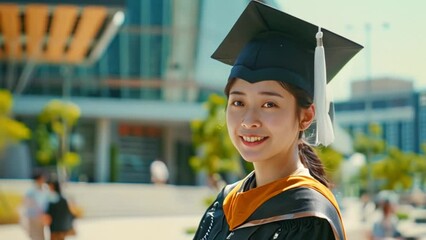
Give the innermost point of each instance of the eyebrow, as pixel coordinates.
(267, 93)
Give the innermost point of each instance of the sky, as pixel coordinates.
(397, 48)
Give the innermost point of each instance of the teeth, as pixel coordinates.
(252, 139)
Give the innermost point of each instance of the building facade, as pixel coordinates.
(391, 103)
(137, 91)
(138, 97)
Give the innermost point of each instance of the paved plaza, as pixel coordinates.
(117, 228)
(153, 228)
(146, 212)
(140, 228)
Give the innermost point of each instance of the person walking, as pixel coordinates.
(275, 91)
(35, 204)
(59, 216)
(385, 226)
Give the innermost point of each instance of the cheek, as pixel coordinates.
(281, 122)
(230, 119)
(230, 128)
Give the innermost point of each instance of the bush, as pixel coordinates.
(402, 215)
(10, 203)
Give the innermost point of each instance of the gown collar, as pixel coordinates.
(242, 201)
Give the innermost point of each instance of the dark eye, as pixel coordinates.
(237, 103)
(269, 105)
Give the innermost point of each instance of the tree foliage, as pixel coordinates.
(395, 170)
(215, 152)
(420, 166)
(55, 123)
(332, 161)
(390, 168)
(370, 143)
(11, 131)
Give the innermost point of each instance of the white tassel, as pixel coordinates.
(324, 126)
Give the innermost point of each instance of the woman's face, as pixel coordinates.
(262, 120)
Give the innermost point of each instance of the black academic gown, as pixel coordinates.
(298, 213)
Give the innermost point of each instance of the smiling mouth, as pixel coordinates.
(253, 139)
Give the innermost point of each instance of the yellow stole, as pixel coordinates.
(239, 206)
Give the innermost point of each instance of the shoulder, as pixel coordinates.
(302, 206)
(294, 229)
(297, 200)
(228, 188)
(213, 221)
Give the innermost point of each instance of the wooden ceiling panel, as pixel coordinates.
(1, 43)
(11, 28)
(49, 33)
(89, 25)
(36, 21)
(63, 21)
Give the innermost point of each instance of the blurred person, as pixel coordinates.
(159, 172)
(35, 204)
(59, 216)
(271, 105)
(368, 205)
(386, 227)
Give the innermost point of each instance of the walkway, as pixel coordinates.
(129, 228)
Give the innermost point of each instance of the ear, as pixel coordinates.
(306, 117)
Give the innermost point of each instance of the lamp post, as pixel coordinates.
(368, 98)
(368, 106)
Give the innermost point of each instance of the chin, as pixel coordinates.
(251, 158)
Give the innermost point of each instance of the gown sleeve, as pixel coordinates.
(308, 228)
(295, 229)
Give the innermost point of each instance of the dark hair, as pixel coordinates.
(306, 153)
(56, 186)
(38, 174)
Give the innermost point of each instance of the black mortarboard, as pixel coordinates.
(268, 44)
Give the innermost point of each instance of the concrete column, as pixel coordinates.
(103, 139)
(169, 137)
(181, 64)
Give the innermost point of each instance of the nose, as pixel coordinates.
(250, 120)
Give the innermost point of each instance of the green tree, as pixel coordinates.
(371, 144)
(392, 169)
(332, 161)
(214, 150)
(56, 121)
(395, 170)
(419, 166)
(11, 131)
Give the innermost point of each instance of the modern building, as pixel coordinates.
(139, 80)
(391, 103)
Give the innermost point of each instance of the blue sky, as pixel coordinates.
(398, 36)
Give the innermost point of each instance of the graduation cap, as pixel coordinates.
(268, 44)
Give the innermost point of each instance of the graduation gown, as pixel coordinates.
(295, 207)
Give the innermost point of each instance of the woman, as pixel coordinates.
(270, 105)
(386, 227)
(59, 216)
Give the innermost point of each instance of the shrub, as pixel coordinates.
(10, 202)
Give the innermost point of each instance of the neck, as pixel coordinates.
(270, 171)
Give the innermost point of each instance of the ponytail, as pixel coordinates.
(306, 153)
(311, 160)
